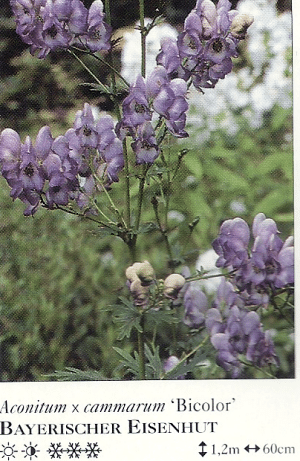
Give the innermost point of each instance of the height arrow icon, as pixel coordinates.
(202, 452)
(248, 448)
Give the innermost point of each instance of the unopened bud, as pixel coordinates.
(240, 24)
(172, 285)
(139, 292)
(142, 271)
(145, 273)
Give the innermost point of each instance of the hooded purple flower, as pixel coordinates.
(84, 126)
(227, 357)
(195, 305)
(145, 144)
(10, 152)
(171, 103)
(232, 243)
(285, 259)
(169, 57)
(110, 147)
(97, 37)
(20, 168)
(136, 108)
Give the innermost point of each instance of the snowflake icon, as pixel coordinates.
(55, 450)
(73, 450)
(92, 450)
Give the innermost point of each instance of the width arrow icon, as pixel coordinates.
(248, 448)
(202, 452)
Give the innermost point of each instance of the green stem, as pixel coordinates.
(127, 185)
(81, 215)
(143, 37)
(249, 364)
(115, 209)
(103, 87)
(140, 196)
(162, 230)
(99, 58)
(204, 277)
(107, 12)
(141, 350)
(119, 115)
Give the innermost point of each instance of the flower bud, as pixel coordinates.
(142, 271)
(139, 292)
(240, 24)
(145, 273)
(172, 285)
(131, 273)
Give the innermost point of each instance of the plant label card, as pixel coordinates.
(148, 210)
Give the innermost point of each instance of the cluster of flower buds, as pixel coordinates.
(141, 276)
(235, 330)
(54, 171)
(205, 48)
(268, 266)
(46, 25)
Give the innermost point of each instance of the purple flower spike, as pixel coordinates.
(50, 24)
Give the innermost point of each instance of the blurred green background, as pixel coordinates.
(57, 273)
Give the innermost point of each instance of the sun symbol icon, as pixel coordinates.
(30, 451)
(8, 451)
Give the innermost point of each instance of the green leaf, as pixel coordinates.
(73, 374)
(278, 160)
(194, 165)
(130, 363)
(127, 317)
(273, 201)
(154, 367)
(146, 228)
(96, 87)
(159, 317)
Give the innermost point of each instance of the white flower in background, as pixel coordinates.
(131, 51)
(207, 262)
